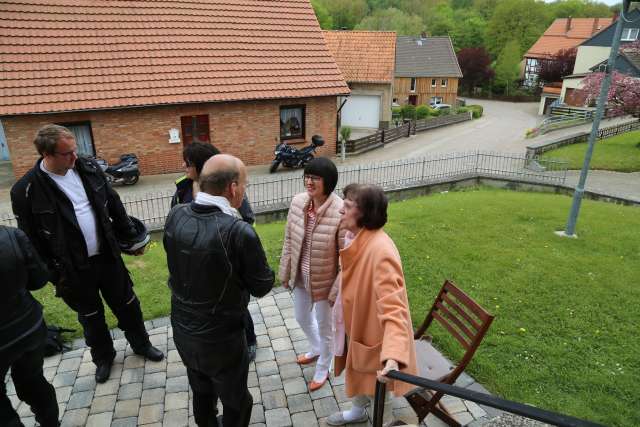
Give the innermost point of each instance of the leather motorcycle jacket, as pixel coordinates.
(215, 261)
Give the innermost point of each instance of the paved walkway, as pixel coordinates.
(141, 392)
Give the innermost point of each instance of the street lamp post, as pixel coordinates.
(570, 230)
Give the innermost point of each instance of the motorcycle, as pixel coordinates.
(126, 171)
(292, 157)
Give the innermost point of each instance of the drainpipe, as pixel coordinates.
(343, 147)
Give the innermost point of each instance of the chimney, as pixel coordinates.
(568, 24)
(596, 25)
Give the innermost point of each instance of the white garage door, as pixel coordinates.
(361, 111)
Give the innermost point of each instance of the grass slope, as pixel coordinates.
(620, 153)
(565, 336)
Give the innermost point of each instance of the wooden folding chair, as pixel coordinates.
(467, 322)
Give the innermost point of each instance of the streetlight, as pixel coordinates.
(570, 230)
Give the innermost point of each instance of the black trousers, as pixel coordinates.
(215, 371)
(249, 329)
(108, 277)
(25, 359)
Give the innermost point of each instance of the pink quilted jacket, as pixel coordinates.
(327, 240)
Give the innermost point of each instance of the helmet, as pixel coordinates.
(131, 243)
(317, 140)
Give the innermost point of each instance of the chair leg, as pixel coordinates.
(445, 417)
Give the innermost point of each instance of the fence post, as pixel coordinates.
(382, 136)
(424, 160)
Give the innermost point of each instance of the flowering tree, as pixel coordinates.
(624, 92)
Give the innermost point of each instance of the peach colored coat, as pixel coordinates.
(376, 314)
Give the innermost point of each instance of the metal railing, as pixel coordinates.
(563, 121)
(517, 408)
(274, 192)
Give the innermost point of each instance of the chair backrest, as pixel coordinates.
(463, 318)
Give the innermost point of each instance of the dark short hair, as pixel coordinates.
(197, 153)
(372, 204)
(48, 136)
(326, 169)
(215, 183)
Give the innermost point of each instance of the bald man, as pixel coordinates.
(215, 261)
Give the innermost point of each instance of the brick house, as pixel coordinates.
(563, 33)
(426, 71)
(137, 77)
(367, 61)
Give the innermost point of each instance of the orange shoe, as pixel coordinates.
(313, 386)
(304, 360)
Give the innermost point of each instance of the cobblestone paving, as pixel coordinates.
(142, 392)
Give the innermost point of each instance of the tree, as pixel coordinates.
(346, 13)
(558, 66)
(579, 9)
(624, 92)
(521, 20)
(508, 65)
(324, 19)
(469, 29)
(485, 7)
(441, 21)
(392, 20)
(475, 64)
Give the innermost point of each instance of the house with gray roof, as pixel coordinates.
(426, 71)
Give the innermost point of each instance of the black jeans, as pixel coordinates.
(249, 330)
(217, 370)
(25, 359)
(108, 277)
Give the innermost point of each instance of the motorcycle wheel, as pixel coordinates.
(130, 180)
(274, 166)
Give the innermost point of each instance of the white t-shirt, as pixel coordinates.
(71, 185)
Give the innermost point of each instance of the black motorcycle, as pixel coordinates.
(126, 171)
(291, 157)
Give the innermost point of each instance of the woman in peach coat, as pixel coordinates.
(371, 312)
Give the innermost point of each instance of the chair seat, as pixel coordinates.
(431, 363)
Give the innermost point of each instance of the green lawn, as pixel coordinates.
(619, 153)
(567, 311)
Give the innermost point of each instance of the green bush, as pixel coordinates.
(396, 112)
(461, 110)
(433, 112)
(422, 112)
(408, 112)
(477, 110)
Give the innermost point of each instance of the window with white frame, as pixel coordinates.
(413, 84)
(630, 34)
(433, 83)
(443, 83)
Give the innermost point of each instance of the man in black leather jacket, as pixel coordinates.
(23, 331)
(215, 259)
(73, 217)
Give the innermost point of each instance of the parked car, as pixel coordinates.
(440, 106)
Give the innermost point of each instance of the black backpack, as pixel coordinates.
(54, 343)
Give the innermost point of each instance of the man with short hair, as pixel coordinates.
(214, 259)
(73, 218)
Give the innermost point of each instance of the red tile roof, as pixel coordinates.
(557, 37)
(65, 55)
(364, 56)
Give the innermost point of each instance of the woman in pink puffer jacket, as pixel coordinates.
(309, 262)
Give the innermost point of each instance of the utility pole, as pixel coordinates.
(570, 230)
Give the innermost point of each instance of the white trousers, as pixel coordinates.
(315, 321)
